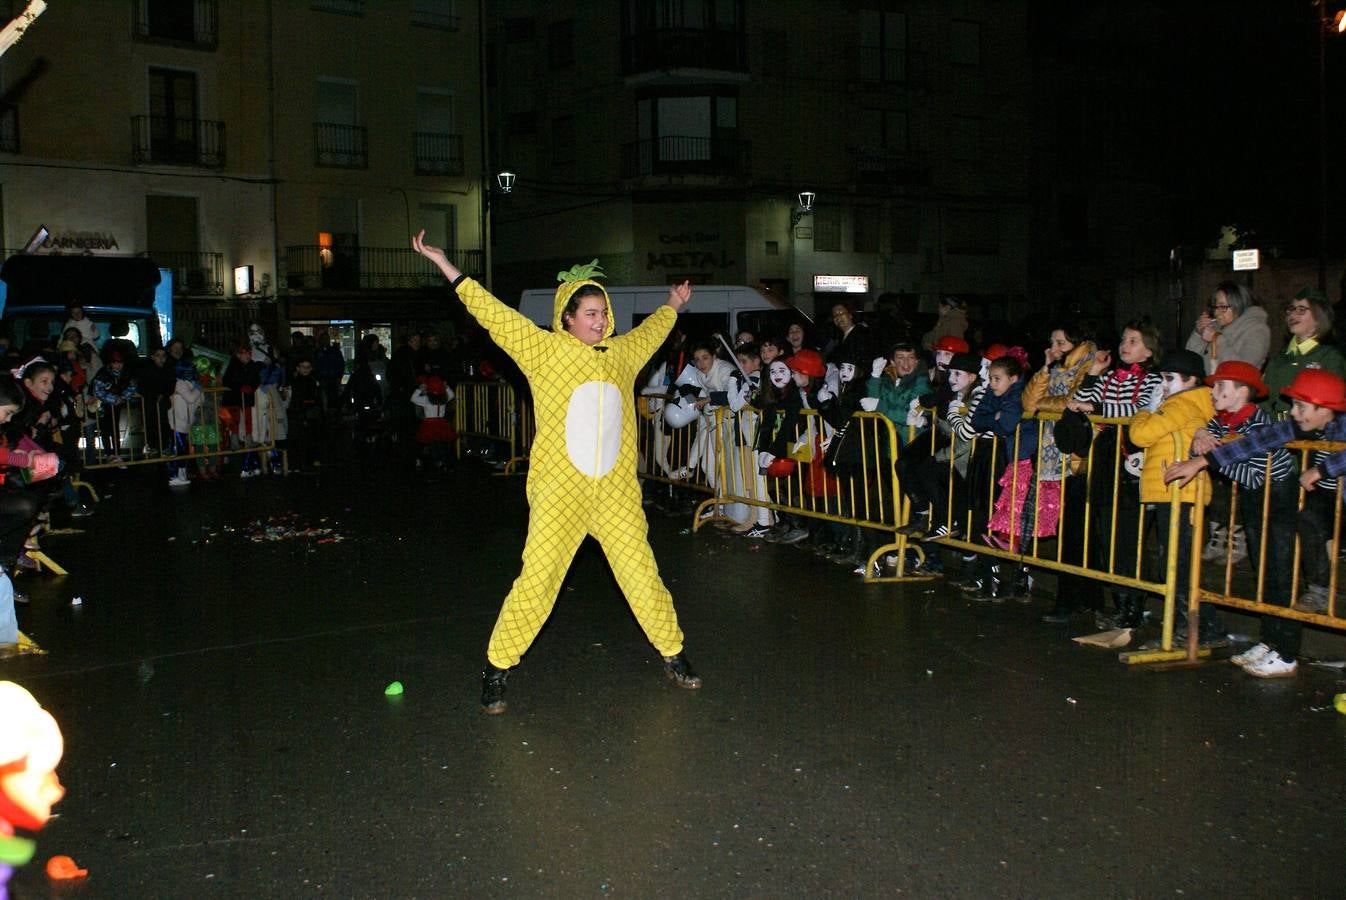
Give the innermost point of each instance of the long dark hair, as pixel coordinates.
(12, 392)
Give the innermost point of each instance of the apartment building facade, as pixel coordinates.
(304, 139)
(672, 139)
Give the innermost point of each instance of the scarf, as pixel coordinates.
(1232, 420)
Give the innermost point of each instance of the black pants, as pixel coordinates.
(1281, 635)
(1106, 554)
(1158, 526)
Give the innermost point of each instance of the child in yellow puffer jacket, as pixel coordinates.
(1186, 407)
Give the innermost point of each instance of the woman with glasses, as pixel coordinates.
(1233, 327)
(1308, 318)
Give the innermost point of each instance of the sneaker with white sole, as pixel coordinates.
(757, 532)
(1253, 655)
(1272, 666)
(179, 480)
(794, 536)
(1313, 598)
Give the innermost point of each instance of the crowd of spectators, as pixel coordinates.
(972, 444)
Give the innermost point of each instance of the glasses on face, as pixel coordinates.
(1296, 309)
(1216, 308)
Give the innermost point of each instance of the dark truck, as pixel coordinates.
(38, 289)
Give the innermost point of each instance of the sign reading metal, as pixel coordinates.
(1247, 260)
(841, 284)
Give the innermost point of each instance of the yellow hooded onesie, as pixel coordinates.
(582, 466)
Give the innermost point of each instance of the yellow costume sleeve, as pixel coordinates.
(512, 331)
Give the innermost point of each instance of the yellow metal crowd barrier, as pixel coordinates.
(1225, 585)
(136, 432)
(492, 411)
(685, 456)
(862, 491)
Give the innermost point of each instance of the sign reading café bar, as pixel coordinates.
(841, 284)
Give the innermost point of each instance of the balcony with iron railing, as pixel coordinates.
(878, 65)
(439, 154)
(310, 268)
(195, 273)
(340, 146)
(177, 142)
(659, 49)
(183, 23)
(680, 155)
(9, 128)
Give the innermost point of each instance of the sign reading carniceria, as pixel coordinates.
(81, 241)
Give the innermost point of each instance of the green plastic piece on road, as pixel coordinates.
(393, 690)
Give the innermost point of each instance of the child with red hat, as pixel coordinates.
(1318, 398)
(435, 433)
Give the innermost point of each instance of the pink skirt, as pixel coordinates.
(1007, 518)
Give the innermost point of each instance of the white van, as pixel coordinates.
(715, 308)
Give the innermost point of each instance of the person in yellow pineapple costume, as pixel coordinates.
(582, 466)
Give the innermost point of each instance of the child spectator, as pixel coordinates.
(184, 405)
(1065, 363)
(114, 387)
(926, 483)
(1186, 407)
(779, 404)
(897, 380)
(157, 383)
(89, 335)
(1001, 413)
(434, 432)
(1234, 387)
(744, 385)
(241, 378)
(806, 373)
(1124, 390)
(209, 426)
(1318, 398)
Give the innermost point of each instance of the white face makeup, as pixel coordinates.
(942, 358)
(780, 374)
(1175, 383)
(847, 372)
(959, 380)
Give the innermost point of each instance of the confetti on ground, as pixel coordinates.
(286, 528)
(394, 689)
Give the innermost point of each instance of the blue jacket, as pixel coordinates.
(1010, 409)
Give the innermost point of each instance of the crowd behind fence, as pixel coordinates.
(1074, 520)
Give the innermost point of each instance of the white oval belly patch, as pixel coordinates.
(594, 427)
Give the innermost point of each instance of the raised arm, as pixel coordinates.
(642, 341)
(512, 331)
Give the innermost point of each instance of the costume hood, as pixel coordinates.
(572, 281)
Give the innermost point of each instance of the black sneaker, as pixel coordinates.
(679, 671)
(493, 690)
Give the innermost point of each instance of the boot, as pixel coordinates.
(993, 588)
(1215, 547)
(493, 690)
(1131, 613)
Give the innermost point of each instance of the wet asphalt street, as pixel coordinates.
(227, 732)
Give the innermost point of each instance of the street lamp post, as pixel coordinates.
(804, 208)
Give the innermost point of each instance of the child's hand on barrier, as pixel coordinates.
(1203, 442)
(1309, 480)
(1183, 472)
(1080, 406)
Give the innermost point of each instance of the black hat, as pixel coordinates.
(966, 362)
(1074, 433)
(1184, 362)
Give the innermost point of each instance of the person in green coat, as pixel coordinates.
(898, 379)
(1308, 318)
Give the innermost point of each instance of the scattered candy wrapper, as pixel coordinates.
(286, 528)
(1329, 663)
(63, 868)
(1111, 639)
(76, 601)
(394, 689)
(1339, 702)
